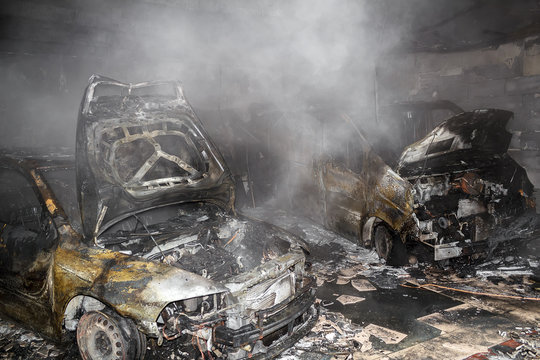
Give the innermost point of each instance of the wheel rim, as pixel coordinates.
(100, 337)
(102, 344)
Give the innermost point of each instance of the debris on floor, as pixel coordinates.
(388, 336)
(524, 343)
(362, 285)
(18, 343)
(333, 335)
(447, 329)
(349, 299)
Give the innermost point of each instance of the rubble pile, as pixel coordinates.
(512, 276)
(522, 343)
(18, 343)
(336, 337)
(529, 339)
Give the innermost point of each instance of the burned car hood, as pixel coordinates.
(245, 255)
(141, 146)
(468, 140)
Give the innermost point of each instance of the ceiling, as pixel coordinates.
(454, 25)
(412, 25)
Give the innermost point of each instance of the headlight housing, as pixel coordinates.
(180, 316)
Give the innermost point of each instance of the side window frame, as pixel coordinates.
(25, 257)
(46, 221)
(35, 190)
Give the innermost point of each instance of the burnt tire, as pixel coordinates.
(389, 246)
(383, 241)
(105, 336)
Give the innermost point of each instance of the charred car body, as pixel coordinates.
(162, 254)
(454, 191)
(458, 192)
(339, 181)
(470, 195)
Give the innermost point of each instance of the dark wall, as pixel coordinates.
(503, 77)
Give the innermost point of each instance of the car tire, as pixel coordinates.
(383, 241)
(107, 336)
(389, 246)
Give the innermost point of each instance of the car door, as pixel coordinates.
(343, 187)
(27, 235)
(343, 192)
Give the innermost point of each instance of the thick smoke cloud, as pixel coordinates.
(228, 54)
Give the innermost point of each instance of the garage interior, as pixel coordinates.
(284, 88)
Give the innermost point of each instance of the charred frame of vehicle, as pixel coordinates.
(456, 191)
(161, 253)
(470, 195)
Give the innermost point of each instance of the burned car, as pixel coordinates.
(455, 193)
(470, 195)
(137, 238)
(338, 180)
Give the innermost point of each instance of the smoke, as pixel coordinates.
(262, 75)
(228, 55)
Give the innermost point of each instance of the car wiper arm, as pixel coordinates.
(151, 237)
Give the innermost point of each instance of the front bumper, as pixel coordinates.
(295, 320)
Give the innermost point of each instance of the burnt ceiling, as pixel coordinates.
(418, 25)
(465, 24)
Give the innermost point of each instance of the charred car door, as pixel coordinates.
(27, 242)
(358, 191)
(342, 191)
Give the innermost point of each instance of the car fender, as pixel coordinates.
(367, 231)
(133, 287)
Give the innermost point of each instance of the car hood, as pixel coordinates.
(141, 146)
(468, 140)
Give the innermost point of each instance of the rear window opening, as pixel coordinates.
(440, 146)
(112, 90)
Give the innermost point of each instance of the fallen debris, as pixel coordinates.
(334, 336)
(324, 325)
(524, 343)
(363, 339)
(27, 344)
(389, 336)
(349, 273)
(349, 299)
(362, 285)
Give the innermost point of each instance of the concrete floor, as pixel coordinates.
(373, 311)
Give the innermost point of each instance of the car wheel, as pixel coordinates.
(109, 337)
(383, 240)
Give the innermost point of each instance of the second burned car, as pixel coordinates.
(163, 254)
(456, 192)
(470, 195)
